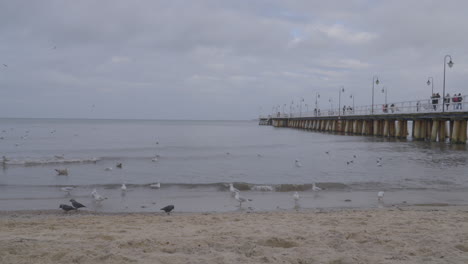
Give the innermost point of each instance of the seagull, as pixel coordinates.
(239, 199)
(315, 188)
(5, 65)
(354, 156)
(298, 163)
(119, 165)
(157, 142)
(168, 209)
(379, 164)
(5, 159)
(67, 189)
(108, 169)
(124, 187)
(227, 153)
(97, 197)
(66, 207)
(59, 157)
(233, 189)
(76, 204)
(327, 152)
(259, 155)
(380, 195)
(154, 159)
(296, 196)
(62, 172)
(155, 185)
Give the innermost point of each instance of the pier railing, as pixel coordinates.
(406, 107)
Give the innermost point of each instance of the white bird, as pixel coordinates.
(379, 164)
(154, 159)
(298, 163)
(315, 188)
(233, 189)
(296, 196)
(380, 195)
(67, 189)
(239, 199)
(108, 169)
(155, 185)
(124, 187)
(97, 197)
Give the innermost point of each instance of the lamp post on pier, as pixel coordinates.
(375, 80)
(429, 82)
(450, 64)
(339, 100)
(385, 91)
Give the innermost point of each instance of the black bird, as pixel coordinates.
(168, 209)
(66, 207)
(76, 204)
(119, 165)
(5, 65)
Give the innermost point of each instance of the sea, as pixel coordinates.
(194, 162)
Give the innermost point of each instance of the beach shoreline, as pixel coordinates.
(403, 234)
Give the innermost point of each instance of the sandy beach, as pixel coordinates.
(392, 235)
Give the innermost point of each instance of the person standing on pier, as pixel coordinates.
(447, 101)
(455, 101)
(434, 101)
(459, 101)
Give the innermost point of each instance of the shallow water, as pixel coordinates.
(198, 158)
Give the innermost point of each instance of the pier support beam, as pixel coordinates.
(455, 131)
(434, 130)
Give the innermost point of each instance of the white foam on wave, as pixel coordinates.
(32, 162)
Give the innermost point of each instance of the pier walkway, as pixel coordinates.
(429, 120)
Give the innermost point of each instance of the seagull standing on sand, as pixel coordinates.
(97, 197)
(380, 195)
(108, 169)
(124, 187)
(119, 165)
(154, 159)
(233, 189)
(239, 199)
(298, 163)
(315, 188)
(296, 197)
(67, 189)
(76, 204)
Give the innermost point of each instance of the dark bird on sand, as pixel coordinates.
(66, 207)
(76, 204)
(119, 165)
(168, 209)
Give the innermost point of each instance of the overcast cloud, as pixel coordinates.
(221, 59)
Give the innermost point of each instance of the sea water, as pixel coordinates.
(194, 161)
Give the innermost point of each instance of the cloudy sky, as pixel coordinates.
(219, 59)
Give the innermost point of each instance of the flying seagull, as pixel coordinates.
(168, 209)
(62, 172)
(66, 207)
(298, 163)
(76, 204)
(155, 185)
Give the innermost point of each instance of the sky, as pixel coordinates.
(220, 59)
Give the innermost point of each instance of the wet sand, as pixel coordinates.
(417, 234)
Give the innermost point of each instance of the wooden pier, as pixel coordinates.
(437, 127)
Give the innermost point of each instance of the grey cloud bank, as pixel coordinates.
(220, 59)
